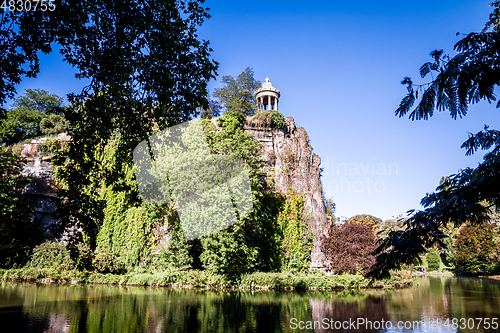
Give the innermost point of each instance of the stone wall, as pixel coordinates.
(289, 158)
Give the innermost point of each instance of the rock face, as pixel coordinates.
(289, 158)
(43, 192)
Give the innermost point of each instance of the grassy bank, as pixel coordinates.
(197, 278)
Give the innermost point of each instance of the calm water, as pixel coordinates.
(96, 308)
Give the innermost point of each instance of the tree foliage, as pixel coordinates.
(146, 69)
(366, 219)
(227, 253)
(296, 237)
(476, 249)
(390, 225)
(17, 235)
(471, 195)
(349, 247)
(433, 260)
(24, 119)
(23, 35)
(253, 243)
(330, 208)
(494, 21)
(54, 124)
(52, 254)
(466, 78)
(270, 118)
(213, 110)
(237, 94)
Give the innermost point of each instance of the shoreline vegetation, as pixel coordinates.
(203, 279)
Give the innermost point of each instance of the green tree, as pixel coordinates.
(213, 110)
(471, 195)
(252, 243)
(227, 253)
(330, 209)
(23, 36)
(17, 234)
(24, 119)
(433, 260)
(366, 219)
(390, 225)
(54, 124)
(147, 70)
(476, 248)
(451, 232)
(237, 94)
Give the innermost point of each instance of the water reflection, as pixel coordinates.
(96, 308)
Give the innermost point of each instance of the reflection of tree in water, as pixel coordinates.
(93, 308)
(372, 308)
(482, 296)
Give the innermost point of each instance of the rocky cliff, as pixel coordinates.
(43, 192)
(289, 158)
(287, 155)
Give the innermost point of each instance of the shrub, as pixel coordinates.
(52, 255)
(272, 118)
(231, 120)
(176, 254)
(277, 119)
(52, 146)
(105, 262)
(264, 118)
(433, 260)
(83, 257)
(226, 253)
(349, 247)
(296, 262)
(368, 220)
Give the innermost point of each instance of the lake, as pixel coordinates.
(433, 304)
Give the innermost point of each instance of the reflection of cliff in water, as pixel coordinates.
(371, 308)
(28, 307)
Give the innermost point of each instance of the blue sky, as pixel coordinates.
(339, 65)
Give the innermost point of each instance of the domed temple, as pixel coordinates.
(267, 96)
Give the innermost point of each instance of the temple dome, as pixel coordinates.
(267, 86)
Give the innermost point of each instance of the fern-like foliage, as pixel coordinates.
(494, 21)
(484, 139)
(470, 196)
(467, 78)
